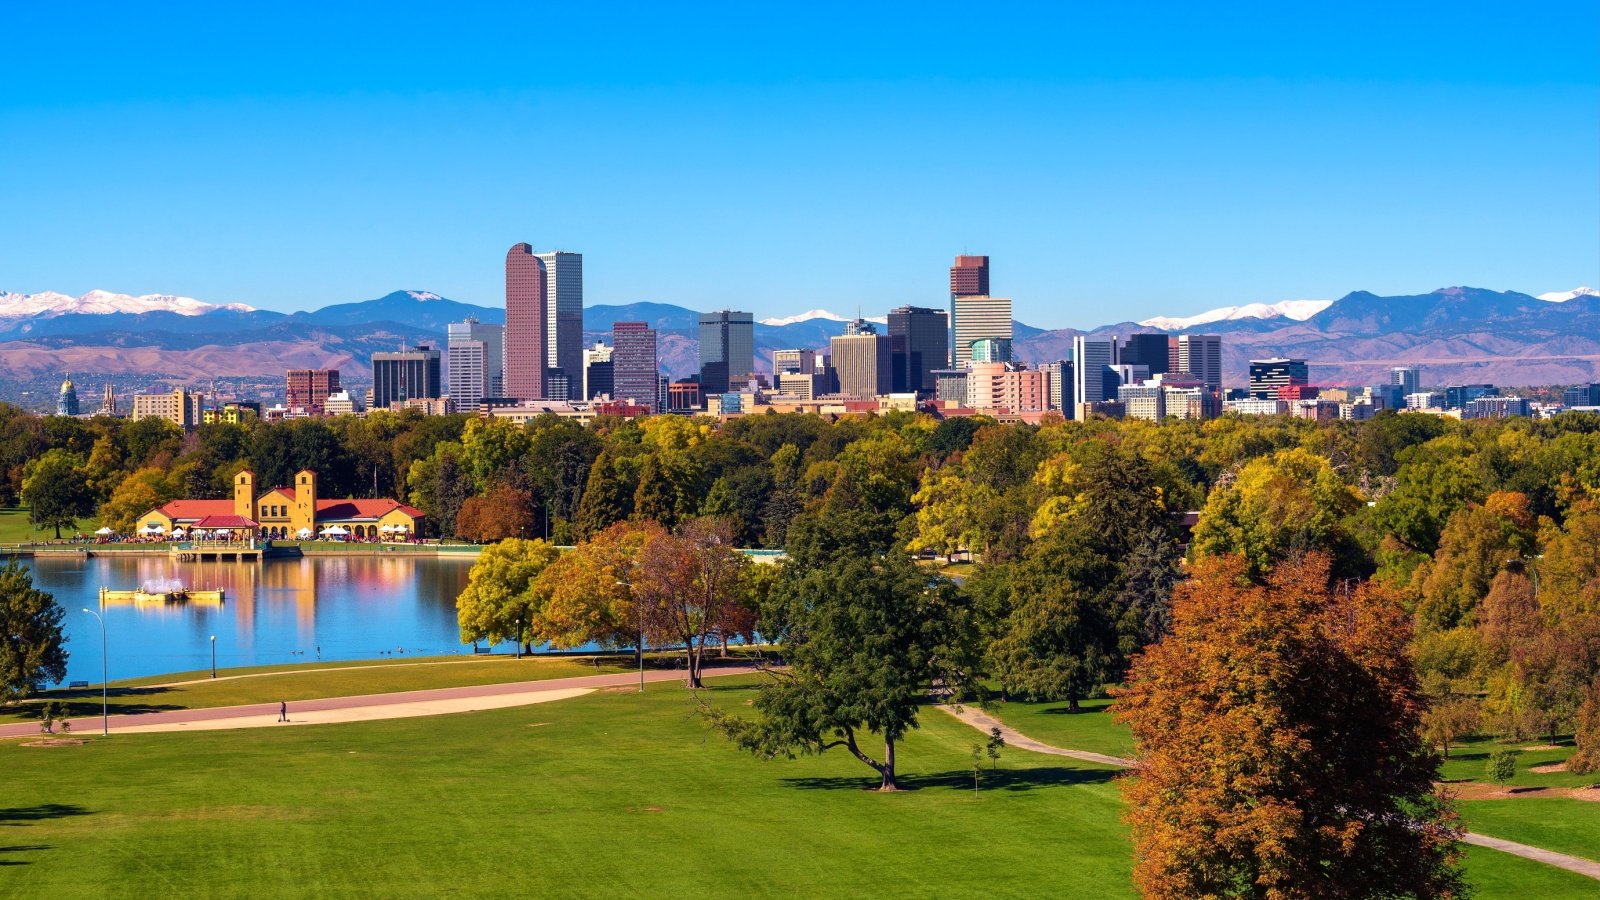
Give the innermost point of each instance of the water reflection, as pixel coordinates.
(346, 607)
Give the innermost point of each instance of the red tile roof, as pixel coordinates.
(196, 509)
(226, 522)
(362, 509)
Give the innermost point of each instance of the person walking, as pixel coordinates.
(283, 710)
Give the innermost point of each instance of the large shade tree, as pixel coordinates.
(32, 653)
(1279, 744)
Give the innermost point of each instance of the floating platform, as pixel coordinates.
(181, 595)
(193, 551)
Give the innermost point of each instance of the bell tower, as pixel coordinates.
(244, 494)
(305, 502)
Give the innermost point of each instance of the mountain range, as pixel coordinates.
(1460, 334)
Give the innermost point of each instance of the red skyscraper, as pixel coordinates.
(969, 277)
(525, 324)
(308, 389)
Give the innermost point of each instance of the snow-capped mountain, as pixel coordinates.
(1564, 296)
(49, 304)
(811, 314)
(1298, 310)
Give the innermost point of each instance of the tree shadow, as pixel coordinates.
(22, 815)
(20, 848)
(82, 703)
(1081, 711)
(961, 779)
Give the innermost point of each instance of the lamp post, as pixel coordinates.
(638, 619)
(213, 656)
(105, 721)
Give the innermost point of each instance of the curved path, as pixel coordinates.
(982, 721)
(365, 707)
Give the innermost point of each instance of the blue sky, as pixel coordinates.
(1115, 161)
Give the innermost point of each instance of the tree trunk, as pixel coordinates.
(693, 654)
(58, 532)
(888, 767)
(1072, 703)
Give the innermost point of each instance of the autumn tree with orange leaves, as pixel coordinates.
(1279, 749)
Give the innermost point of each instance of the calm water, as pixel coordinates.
(277, 611)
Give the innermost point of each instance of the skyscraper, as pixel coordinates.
(921, 339)
(862, 363)
(727, 349)
(1093, 378)
(1269, 376)
(527, 351)
(405, 375)
(564, 316)
(975, 317)
(597, 371)
(634, 374)
(309, 389)
(1200, 357)
(1148, 350)
(477, 363)
(969, 277)
(1409, 378)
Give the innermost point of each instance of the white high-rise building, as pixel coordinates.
(476, 363)
(1200, 357)
(1094, 379)
(563, 291)
(978, 317)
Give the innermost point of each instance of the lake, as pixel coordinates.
(276, 611)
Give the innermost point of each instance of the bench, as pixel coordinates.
(479, 651)
(77, 684)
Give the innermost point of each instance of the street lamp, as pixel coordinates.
(213, 656)
(105, 721)
(638, 619)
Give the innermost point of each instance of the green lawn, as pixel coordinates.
(614, 793)
(306, 681)
(15, 529)
(1554, 823)
(1089, 729)
(1467, 761)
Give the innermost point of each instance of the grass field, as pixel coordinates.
(611, 793)
(269, 684)
(15, 529)
(1089, 729)
(1467, 761)
(1554, 823)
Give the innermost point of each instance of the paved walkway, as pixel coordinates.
(437, 701)
(982, 721)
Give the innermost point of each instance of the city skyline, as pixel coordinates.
(1148, 162)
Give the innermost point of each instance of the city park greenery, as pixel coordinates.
(1472, 545)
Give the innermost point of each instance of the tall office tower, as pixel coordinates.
(1172, 354)
(634, 373)
(922, 339)
(596, 371)
(563, 291)
(1581, 395)
(1149, 350)
(309, 389)
(1200, 357)
(969, 277)
(526, 332)
(795, 362)
(1060, 387)
(1409, 378)
(863, 364)
(477, 363)
(973, 318)
(67, 400)
(1093, 378)
(404, 375)
(727, 349)
(990, 350)
(180, 407)
(1268, 376)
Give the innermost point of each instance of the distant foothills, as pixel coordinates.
(1461, 334)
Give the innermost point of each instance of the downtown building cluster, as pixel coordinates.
(953, 361)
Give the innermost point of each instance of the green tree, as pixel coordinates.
(865, 638)
(1279, 506)
(56, 490)
(607, 496)
(499, 601)
(1501, 766)
(139, 493)
(32, 653)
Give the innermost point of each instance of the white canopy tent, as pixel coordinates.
(303, 534)
(153, 528)
(103, 531)
(178, 532)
